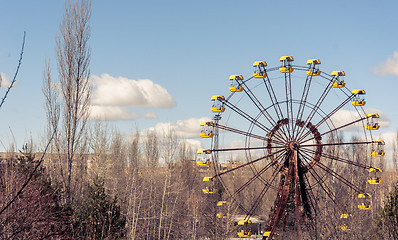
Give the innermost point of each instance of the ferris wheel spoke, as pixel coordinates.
(324, 119)
(332, 130)
(248, 117)
(273, 98)
(279, 157)
(249, 134)
(251, 180)
(258, 104)
(319, 180)
(311, 196)
(339, 159)
(314, 207)
(304, 96)
(267, 185)
(248, 163)
(233, 200)
(260, 107)
(315, 109)
(289, 104)
(335, 144)
(306, 160)
(340, 178)
(231, 197)
(274, 101)
(248, 148)
(259, 198)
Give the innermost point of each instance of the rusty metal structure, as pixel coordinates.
(285, 124)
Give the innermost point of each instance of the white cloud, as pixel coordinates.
(343, 117)
(194, 144)
(188, 128)
(4, 82)
(121, 91)
(389, 67)
(150, 115)
(110, 113)
(388, 137)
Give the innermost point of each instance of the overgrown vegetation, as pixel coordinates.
(147, 187)
(389, 215)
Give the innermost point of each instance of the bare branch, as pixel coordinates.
(14, 79)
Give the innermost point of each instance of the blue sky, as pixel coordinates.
(186, 50)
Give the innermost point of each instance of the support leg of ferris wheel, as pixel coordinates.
(283, 195)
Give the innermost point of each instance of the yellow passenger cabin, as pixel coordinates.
(206, 129)
(209, 185)
(377, 148)
(286, 64)
(218, 103)
(338, 79)
(372, 121)
(203, 157)
(365, 201)
(359, 97)
(244, 228)
(236, 85)
(313, 68)
(266, 234)
(259, 69)
(375, 176)
(345, 220)
(222, 209)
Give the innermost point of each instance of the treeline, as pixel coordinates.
(146, 186)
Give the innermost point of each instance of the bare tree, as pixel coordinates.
(395, 152)
(135, 192)
(73, 58)
(99, 148)
(170, 147)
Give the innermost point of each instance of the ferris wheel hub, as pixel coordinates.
(293, 145)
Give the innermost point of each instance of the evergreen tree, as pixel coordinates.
(99, 216)
(389, 215)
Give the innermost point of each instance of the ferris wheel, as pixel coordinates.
(280, 141)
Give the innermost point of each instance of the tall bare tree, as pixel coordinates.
(395, 152)
(73, 59)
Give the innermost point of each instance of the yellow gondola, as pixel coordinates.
(207, 129)
(244, 228)
(338, 81)
(218, 105)
(259, 69)
(235, 85)
(203, 157)
(286, 64)
(377, 148)
(375, 176)
(222, 207)
(313, 68)
(266, 234)
(209, 185)
(345, 222)
(359, 98)
(372, 121)
(365, 201)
